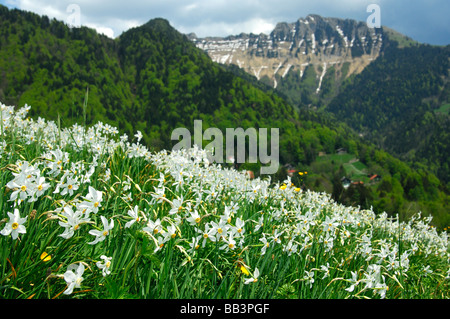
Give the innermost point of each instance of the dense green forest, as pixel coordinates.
(153, 79)
(394, 102)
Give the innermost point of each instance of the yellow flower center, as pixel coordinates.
(231, 245)
(23, 188)
(197, 246)
(15, 225)
(239, 230)
(40, 187)
(205, 235)
(220, 230)
(255, 279)
(105, 233)
(197, 220)
(96, 204)
(155, 230)
(70, 187)
(173, 235)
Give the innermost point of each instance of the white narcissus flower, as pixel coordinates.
(354, 281)
(71, 222)
(176, 206)
(138, 135)
(105, 265)
(266, 244)
(309, 277)
(100, 235)
(171, 232)
(93, 201)
(41, 186)
(73, 277)
(254, 278)
(67, 187)
(153, 227)
(22, 188)
(326, 270)
(194, 218)
(240, 226)
(15, 225)
(134, 214)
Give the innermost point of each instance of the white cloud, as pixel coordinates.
(102, 30)
(211, 28)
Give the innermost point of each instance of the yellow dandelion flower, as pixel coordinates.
(45, 257)
(244, 271)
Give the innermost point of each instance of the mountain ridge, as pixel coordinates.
(314, 42)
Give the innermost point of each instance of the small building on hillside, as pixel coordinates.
(374, 177)
(291, 172)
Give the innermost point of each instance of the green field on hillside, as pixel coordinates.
(354, 169)
(445, 108)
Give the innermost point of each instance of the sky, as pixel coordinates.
(427, 21)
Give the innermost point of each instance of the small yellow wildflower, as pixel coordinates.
(244, 270)
(45, 257)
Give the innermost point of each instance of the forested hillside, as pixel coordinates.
(394, 103)
(153, 79)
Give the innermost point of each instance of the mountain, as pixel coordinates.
(153, 79)
(298, 58)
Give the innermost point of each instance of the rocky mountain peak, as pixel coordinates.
(314, 41)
